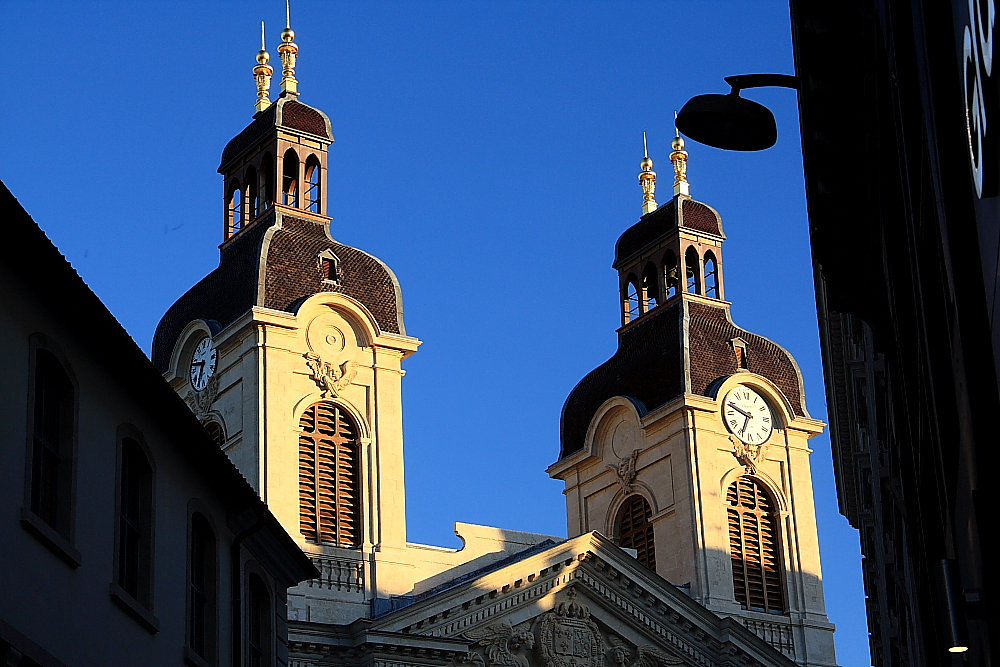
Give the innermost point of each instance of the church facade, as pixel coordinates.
(692, 535)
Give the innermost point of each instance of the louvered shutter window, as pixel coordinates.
(754, 547)
(635, 530)
(329, 476)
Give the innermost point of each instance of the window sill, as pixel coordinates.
(193, 659)
(133, 608)
(50, 539)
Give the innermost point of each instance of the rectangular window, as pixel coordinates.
(135, 523)
(52, 443)
(202, 601)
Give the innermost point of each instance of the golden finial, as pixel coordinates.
(679, 158)
(647, 179)
(262, 73)
(288, 50)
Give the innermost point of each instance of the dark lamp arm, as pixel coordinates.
(741, 81)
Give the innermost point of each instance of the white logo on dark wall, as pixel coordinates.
(977, 46)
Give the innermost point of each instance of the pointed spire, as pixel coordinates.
(262, 73)
(288, 50)
(647, 179)
(679, 158)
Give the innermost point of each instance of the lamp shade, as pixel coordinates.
(729, 121)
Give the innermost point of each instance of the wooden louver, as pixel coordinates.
(329, 476)
(754, 547)
(635, 530)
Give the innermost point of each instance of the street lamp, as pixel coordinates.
(733, 122)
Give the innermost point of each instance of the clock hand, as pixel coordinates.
(733, 406)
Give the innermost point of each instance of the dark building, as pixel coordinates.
(900, 134)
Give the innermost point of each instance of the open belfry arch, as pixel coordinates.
(291, 351)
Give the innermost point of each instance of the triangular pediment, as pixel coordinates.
(580, 603)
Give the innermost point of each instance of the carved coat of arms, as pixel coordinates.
(201, 402)
(330, 378)
(570, 638)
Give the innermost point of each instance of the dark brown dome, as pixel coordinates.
(287, 113)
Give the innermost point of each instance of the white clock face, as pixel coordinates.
(747, 416)
(203, 364)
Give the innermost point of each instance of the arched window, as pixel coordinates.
(670, 275)
(631, 300)
(635, 530)
(692, 270)
(312, 184)
(135, 523)
(258, 623)
(329, 476)
(235, 222)
(266, 184)
(202, 587)
(217, 432)
(711, 276)
(290, 179)
(253, 194)
(650, 288)
(754, 546)
(53, 431)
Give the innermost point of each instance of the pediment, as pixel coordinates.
(581, 603)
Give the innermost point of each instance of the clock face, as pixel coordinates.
(747, 415)
(203, 364)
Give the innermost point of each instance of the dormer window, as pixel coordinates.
(740, 348)
(329, 266)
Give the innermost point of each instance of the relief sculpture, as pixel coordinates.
(501, 641)
(569, 637)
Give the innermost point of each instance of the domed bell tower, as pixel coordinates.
(690, 445)
(290, 353)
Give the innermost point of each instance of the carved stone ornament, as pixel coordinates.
(625, 471)
(501, 641)
(569, 637)
(201, 402)
(330, 378)
(749, 456)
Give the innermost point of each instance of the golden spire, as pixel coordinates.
(647, 179)
(262, 73)
(288, 50)
(679, 158)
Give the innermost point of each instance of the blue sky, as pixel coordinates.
(487, 151)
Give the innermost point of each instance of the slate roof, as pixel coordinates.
(693, 215)
(273, 263)
(284, 113)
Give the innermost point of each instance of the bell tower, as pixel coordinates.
(690, 444)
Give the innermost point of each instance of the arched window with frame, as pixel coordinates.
(634, 529)
(650, 288)
(631, 302)
(253, 194)
(235, 206)
(329, 476)
(203, 614)
(312, 193)
(135, 523)
(258, 622)
(216, 431)
(290, 179)
(670, 275)
(711, 276)
(754, 544)
(692, 270)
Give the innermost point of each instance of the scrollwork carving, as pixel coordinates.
(330, 378)
(501, 641)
